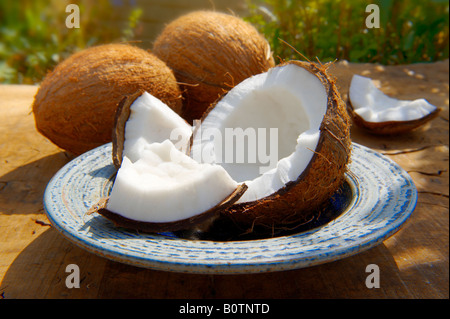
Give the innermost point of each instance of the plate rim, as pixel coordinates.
(237, 266)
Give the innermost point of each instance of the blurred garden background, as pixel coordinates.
(34, 36)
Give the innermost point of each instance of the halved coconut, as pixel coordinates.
(166, 190)
(142, 119)
(381, 114)
(300, 162)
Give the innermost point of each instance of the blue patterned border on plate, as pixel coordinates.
(384, 197)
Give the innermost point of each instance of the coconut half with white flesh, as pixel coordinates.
(157, 186)
(382, 114)
(166, 190)
(294, 143)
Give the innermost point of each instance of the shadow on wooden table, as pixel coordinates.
(39, 271)
(22, 189)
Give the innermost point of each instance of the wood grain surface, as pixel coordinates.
(413, 263)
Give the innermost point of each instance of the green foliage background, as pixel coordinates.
(410, 30)
(34, 38)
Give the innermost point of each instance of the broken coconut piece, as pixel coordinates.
(142, 119)
(312, 147)
(166, 190)
(381, 114)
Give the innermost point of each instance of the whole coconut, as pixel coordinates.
(76, 103)
(211, 52)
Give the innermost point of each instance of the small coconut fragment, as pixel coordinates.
(166, 190)
(381, 114)
(211, 52)
(76, 102)
(312, 145)
(142, 119)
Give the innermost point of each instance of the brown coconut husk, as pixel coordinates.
(120, 120)
(210, 53)
(299, 200)
(76, 102)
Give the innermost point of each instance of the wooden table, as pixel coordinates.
(413, 263)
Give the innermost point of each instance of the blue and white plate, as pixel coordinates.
(383, 198)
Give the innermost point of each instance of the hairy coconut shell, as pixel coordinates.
(390, 127)
(76, 103)
(183, 224)
(298, 200)
(211, 52)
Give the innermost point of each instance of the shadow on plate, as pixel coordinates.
(223, 229)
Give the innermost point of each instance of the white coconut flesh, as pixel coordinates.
(166, 185)
(152, 121)
(372, 105)
(290, 100)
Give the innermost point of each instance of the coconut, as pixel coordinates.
(378, 113)
(142, 196)
(300, 101)
(149, 150)
(76, 102)
(211, 52)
